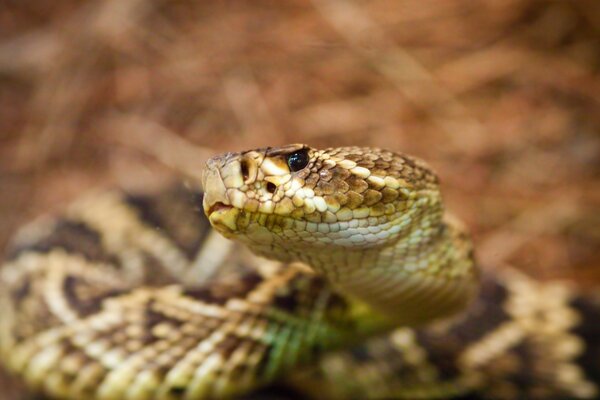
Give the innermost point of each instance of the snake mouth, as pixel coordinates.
(223, 217)
(218, 206)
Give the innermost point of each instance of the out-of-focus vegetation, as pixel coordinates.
(502, 97)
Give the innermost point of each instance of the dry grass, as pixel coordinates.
(502, 97)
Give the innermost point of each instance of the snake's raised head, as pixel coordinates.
(296, 198)
(369, 220)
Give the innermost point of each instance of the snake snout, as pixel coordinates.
(221, 175)
(213, 185)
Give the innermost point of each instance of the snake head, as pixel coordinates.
(293, 198)
(251, 186)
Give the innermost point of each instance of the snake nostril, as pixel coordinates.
(244, 169)
(271, 187)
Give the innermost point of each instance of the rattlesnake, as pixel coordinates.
(367, 289)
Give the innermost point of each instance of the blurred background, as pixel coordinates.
(502, 97)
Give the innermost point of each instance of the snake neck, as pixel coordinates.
(425, 275)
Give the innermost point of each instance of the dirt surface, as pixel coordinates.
(502, 97)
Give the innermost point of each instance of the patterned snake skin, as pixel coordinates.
(136, 297)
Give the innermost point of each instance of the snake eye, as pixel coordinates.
(298, 160)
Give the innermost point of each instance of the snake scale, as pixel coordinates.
(356, 284)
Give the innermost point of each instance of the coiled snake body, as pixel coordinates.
(366, 290)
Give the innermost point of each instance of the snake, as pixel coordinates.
(294, 272)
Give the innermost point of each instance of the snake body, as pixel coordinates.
(358, 285)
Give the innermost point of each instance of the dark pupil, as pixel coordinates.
(298, 160)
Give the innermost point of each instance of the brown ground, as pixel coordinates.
(502, 97)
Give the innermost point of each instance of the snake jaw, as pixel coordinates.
(224, 218)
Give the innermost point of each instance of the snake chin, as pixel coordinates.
(223, 218)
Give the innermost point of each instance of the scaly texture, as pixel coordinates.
(369, 220)
(133, 297)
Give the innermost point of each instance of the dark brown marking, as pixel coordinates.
(485, 314)
(221, 291)
(22, 291)
(73, 237)
(588, 329)
(264, 361)
(228, 345)
(82, 299)
(482, 317)
(176, 213)
(177, 391)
